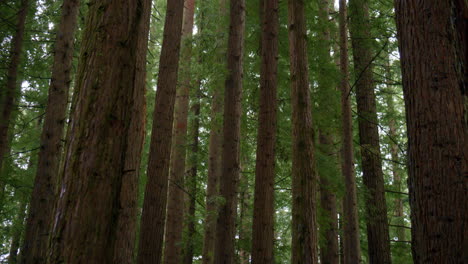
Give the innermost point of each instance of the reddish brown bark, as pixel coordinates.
(376, 207)
(225, 227)
(350, 235)
(95, 219)
(43, 197)
(154, 205)
(10, 92)
(175, 205)
(304, 188)
(434, 85)
(263, 214)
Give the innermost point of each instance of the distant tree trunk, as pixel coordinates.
(327, 171)
(263, 214)
(350, 221)
(192, 179)
(214, 161)
(10, 90)
(175, 205)
(96, 212)
(243, 226)
(43, 197)
(304, 188)
(225, 226)
(17, 232)
(154, 205)
(434, 67)
(398, 209)
(376, 207)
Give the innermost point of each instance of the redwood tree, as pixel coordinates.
(225, 227)
(350, 238)
(43, 196)
(175, 204)
(376, 207)
(304, 178)
(154, 205)
(433, 45)
(96, 212)
(263, 214)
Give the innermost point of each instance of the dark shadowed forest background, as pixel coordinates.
(233, 131)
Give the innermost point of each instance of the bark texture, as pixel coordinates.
(304, 189)
(215, 150)
(434, 62)
(10, 92)
(96, 212)
(350, 236)
(175, 205)
(376, 208)
(263, 214)
(17, 232)
(154, 206)
(43, 198)
(225, 227)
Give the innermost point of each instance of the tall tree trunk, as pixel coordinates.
(225, 226)
(263, 214)
(329, 169)
(43, 197)
(376, 208)
(192, 178)
(175, 205)
(350, 235)
(215, 149)
(10, 90)
(95, 220)
(304, 188)
(435, 88)
(154, 205)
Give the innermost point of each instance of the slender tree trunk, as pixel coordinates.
(435, 84)
(243, 226)
(43, 196)
(154, 205)
(329, 222)
(17, 232)
(263, 214)
(214, 161)
(192, 179)
(10, 90)
(95, 219)
(304, 222)
(225, 227)
(175, 205)
(350, 236)
(376, 208)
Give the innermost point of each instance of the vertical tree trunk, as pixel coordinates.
(263, 214)
(93, 219)
(175, 205)
(214, 161)
(192, 179)
(243, 225)
(304, 222)
(329, 222)
(10, 90)
(350, 235)
(154, 205)
(376, 208)
(17, 232)
(225, 226)
(435, 85)
(43, 197)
